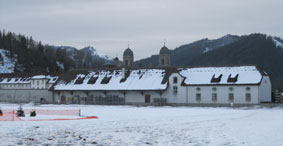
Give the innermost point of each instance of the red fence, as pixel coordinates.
(10, 115)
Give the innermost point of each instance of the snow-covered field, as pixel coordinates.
(127, 125)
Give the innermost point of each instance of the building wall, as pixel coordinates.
(38, 83)
(184, 94)
(129, 59)
(171, 95)
(25, 95)
(265, 90)
(165, 58)
(131, 97)
(15, 86)
(222, 92)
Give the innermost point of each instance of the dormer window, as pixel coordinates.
(106, 80)
(215, 79)
(232, 79)
(92, 80)
(79, 80)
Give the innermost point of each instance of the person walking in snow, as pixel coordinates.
(20, 112)
(32, 113)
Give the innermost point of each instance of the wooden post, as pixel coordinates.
(13, 114)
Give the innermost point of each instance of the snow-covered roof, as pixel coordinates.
(26, 79)
(39, 77)
(221, 75)
(15, 80)
(138, 79)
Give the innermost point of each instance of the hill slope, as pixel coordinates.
(32, 56)
(185, 53)
(259, 49)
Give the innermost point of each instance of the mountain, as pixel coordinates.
(258, 49)
(262, 50)
(184, 54)
(86, 57)
(27, 55)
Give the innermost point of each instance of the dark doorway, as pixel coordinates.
(63, 100)
(147, 98)
(42, 100)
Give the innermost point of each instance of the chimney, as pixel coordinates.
(123, 73)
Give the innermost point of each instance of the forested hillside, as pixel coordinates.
(33, 56)
(257, 49)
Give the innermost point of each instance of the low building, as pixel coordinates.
(237, 85)
(26, 87)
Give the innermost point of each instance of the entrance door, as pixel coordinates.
(63, 100)
(147, 98)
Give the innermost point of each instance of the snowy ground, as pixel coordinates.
(126, 125)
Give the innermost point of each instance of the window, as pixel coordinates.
(162, 61)
(248, 97)
(198, 97)
(231, 89)
(37, 82)
(175, 80)
(175, 89)
(214, 89)
(214, 96)
(126, 63)
(248, 88)
(231, 97)
(198, 88)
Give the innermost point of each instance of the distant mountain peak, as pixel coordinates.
(93, 51)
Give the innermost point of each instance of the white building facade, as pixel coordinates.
(23, 88)
(217, 86)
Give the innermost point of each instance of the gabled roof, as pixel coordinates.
(106, 80)
(238, 75)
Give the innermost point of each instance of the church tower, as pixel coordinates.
(128, 58)
(164, 57)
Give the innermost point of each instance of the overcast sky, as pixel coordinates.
(108, 25)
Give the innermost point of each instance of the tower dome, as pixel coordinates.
(164, 50)
(128, 58)
(164, 57)
(128, 52)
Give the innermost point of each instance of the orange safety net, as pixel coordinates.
(10, 115)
